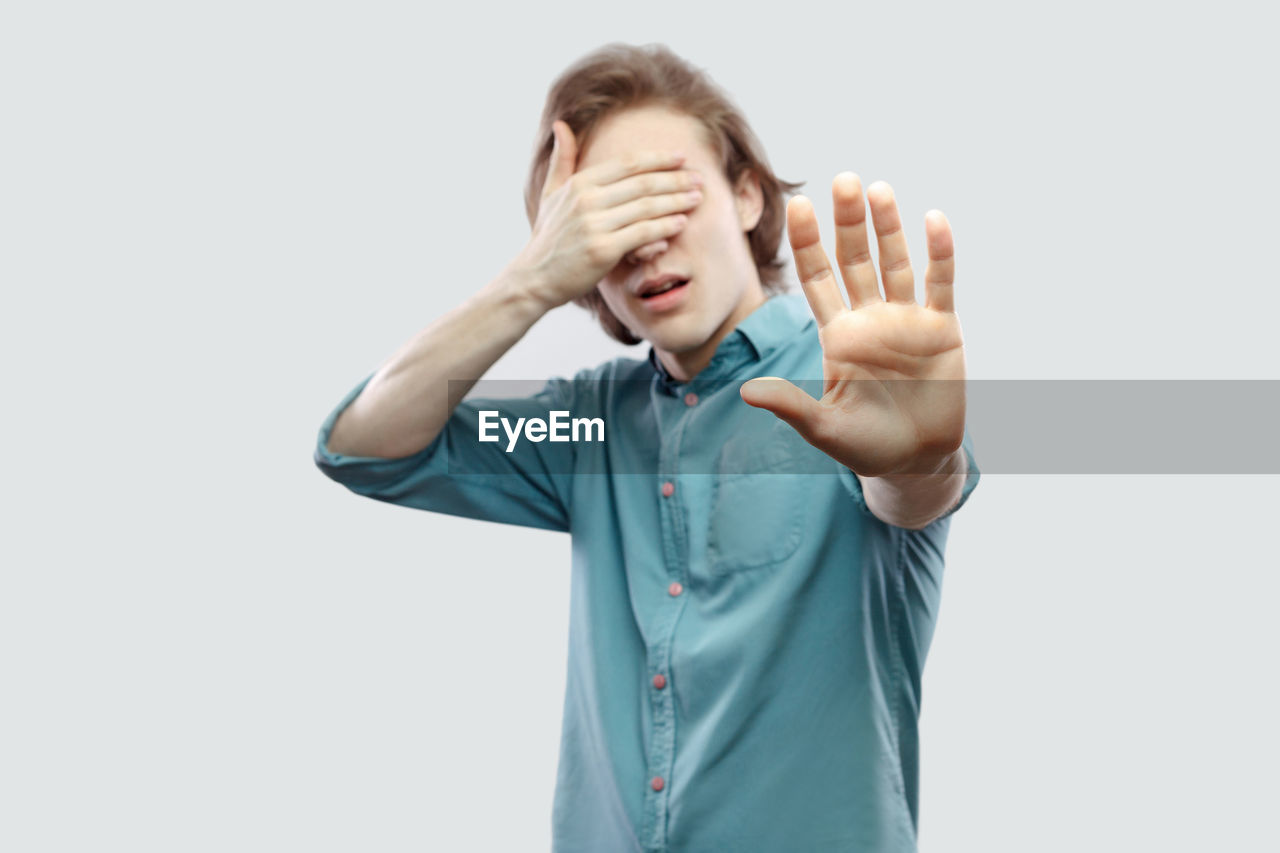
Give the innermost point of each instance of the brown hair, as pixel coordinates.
(618, 76)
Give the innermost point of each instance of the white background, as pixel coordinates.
(217, 218)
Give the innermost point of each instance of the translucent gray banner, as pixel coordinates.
(1015, 426)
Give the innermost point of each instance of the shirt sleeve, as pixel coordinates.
(457, 474)
(854, 486)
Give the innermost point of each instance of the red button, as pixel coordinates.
(691, 399)
(657, 783)
(676, 588)
(659, 681)
(668, 489)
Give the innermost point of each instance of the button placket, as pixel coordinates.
(674, 537)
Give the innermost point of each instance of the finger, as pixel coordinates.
(939, 276)
(853, 254)
(646, 184)
(812, 268)
(646, 231)
(787, 401)
(895, 262)
(647, 252)
(631, 164)
(648, 207)
(564, 156)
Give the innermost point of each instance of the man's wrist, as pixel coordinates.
(925, 468)
(914, 500)
(522, 288)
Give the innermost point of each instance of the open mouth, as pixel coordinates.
(666, 288)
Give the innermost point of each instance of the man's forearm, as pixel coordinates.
(913, 501)
(409, 400)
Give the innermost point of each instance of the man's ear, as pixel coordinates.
(749, 200)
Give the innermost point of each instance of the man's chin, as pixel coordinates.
(676, 344)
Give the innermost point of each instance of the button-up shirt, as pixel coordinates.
(746, 637)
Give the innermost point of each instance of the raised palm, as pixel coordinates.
(893, 398)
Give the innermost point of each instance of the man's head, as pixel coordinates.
(623, 98)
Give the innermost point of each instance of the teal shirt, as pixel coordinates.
(746, 638)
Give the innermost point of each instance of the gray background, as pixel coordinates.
(217, 218)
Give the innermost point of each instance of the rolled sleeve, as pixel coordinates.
(459, 475)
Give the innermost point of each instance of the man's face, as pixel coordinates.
(711, 251)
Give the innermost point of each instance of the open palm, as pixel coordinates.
(893, 397)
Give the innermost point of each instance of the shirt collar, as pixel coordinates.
(779, 320)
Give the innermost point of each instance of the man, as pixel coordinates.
(756, 572)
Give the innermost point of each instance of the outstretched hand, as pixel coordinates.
(872, 417)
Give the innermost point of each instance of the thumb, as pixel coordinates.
(564, 157)
(785, 400)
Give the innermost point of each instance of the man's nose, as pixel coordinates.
(646, 253)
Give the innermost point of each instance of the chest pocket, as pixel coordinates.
(758, 498)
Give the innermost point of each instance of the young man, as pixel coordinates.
(756, 572)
